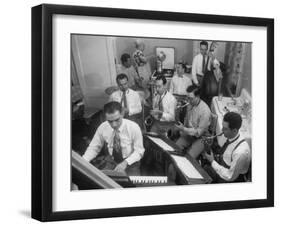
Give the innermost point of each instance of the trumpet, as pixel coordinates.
(214, 136)
(182, 104)
(208, 140)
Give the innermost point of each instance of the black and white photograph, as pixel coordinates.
(150, 111)
(139, 112)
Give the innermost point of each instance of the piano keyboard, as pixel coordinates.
(149, 179)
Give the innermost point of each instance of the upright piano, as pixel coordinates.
(162, 165)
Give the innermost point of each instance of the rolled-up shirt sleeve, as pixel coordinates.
(114, 97)
(235, 167)
(171, 88)
(204, 123)
(95, 146)
(135, 104)
(137, 145)
(169, 110)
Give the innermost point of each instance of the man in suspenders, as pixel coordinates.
(235, 156)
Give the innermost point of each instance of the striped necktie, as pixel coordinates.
(117, 149)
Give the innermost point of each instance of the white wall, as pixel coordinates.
(16, 120)
(95, 67)
(183, 48)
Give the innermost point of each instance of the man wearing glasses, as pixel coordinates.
(122, 138)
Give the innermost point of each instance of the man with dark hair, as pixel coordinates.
(235, 155)
(200, 64)
(180, 81)
(196, 123)
(127, 68)
(163, 107)
(129, 99)
(123, 139)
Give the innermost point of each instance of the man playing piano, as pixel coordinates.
(123, 139)
(235, 155)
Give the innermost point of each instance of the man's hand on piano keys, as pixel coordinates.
(121, 167)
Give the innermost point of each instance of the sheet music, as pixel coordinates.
(161, 143)
(186, 167)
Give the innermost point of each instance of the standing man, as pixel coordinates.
(200, 64)
(196, 123)
(164, 106)
(122, 137)
(129, 100)
(128, 69)
(235, 156)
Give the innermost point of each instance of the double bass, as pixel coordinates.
(211, 84)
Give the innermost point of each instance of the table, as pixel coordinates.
(220, 107)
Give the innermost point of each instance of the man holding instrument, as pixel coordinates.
(234, 158)
(196, 123)
(164, 106)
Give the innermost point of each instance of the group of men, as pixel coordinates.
(121, 133)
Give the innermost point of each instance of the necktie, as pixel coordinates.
(124, 99)
(224, 147)
(160, 103)
(203, 65)
(117, 150)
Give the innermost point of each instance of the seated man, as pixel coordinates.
(134, 81)
(129, 99)
(235, 155)
(180, 81)
(164, 105)
(196, 123)
(123, 139)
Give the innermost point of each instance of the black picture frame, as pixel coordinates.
(42, 107)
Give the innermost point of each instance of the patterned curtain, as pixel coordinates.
(234, 59)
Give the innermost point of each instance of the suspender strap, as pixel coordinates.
(222, 162)
(237, 147)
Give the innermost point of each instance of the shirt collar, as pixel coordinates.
(234, 138)
(125, 92)
(161, 96)
(122, 126)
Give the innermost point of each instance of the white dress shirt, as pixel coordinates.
(179, 84)
(130, 137)
(197, 66)
(169, 104)
(238, 160)
(133, 100)
(197, 119)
